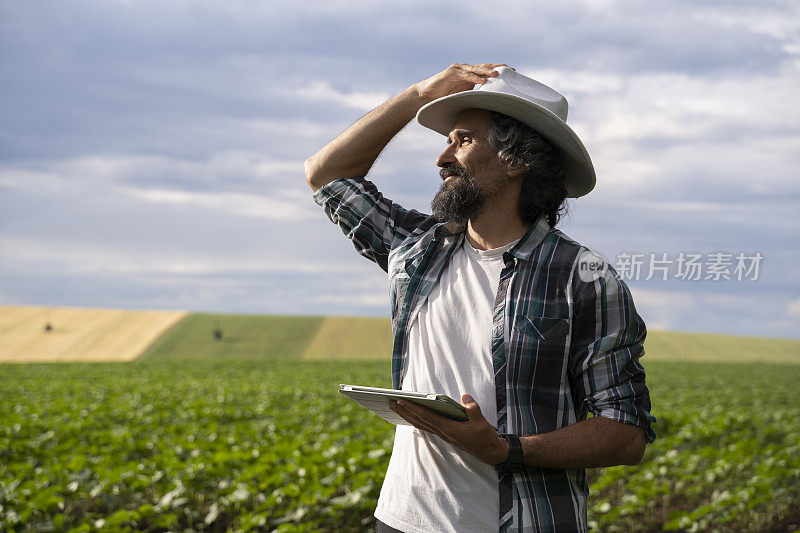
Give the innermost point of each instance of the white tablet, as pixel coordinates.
(377, 401)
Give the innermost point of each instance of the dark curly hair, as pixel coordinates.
(519, 146)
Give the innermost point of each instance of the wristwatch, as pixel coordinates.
(514, 462)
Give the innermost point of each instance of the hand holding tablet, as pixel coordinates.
(377, 401)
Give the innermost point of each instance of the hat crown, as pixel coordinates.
(532, 103)
(509, 81)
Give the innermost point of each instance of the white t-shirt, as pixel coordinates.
(430, 484)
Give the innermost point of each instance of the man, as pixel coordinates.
(493, 305)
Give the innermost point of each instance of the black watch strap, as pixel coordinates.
(514, 462)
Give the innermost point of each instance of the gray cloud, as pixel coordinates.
(151, 154)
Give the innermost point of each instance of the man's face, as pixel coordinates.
(470, 168)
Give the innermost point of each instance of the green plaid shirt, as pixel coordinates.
(561, 347)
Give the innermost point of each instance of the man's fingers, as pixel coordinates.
(485, 69)
(471, 74)
(478, 74)
(419, 423)
(496, 65)
(433, 430)
(419, 417)
(407, 415)
(477, 78)
(420, 413)
(473, 409)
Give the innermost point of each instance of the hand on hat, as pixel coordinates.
(456, 78)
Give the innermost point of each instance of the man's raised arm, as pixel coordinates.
(353, 152)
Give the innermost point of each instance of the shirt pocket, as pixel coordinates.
(540, 344)
(538, 364)
(542, 328)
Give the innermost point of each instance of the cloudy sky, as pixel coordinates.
(151, 153)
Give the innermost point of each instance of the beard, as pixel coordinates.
(458, 199)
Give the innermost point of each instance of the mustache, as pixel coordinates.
(452, 169)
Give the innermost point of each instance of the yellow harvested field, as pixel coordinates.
(340, 337)
(79, 334)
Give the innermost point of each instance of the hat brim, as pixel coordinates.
(441, 115)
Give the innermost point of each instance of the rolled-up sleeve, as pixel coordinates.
(372, 222)
(607, 341)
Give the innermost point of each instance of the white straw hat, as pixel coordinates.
(530, 102)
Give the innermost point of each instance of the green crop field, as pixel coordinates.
(274, 336)
(263, 444)
(242, 336)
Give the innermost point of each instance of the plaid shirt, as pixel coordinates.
(561, 347)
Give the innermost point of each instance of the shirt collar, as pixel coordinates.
(448, 229)
(532, 239)
(522, 250)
